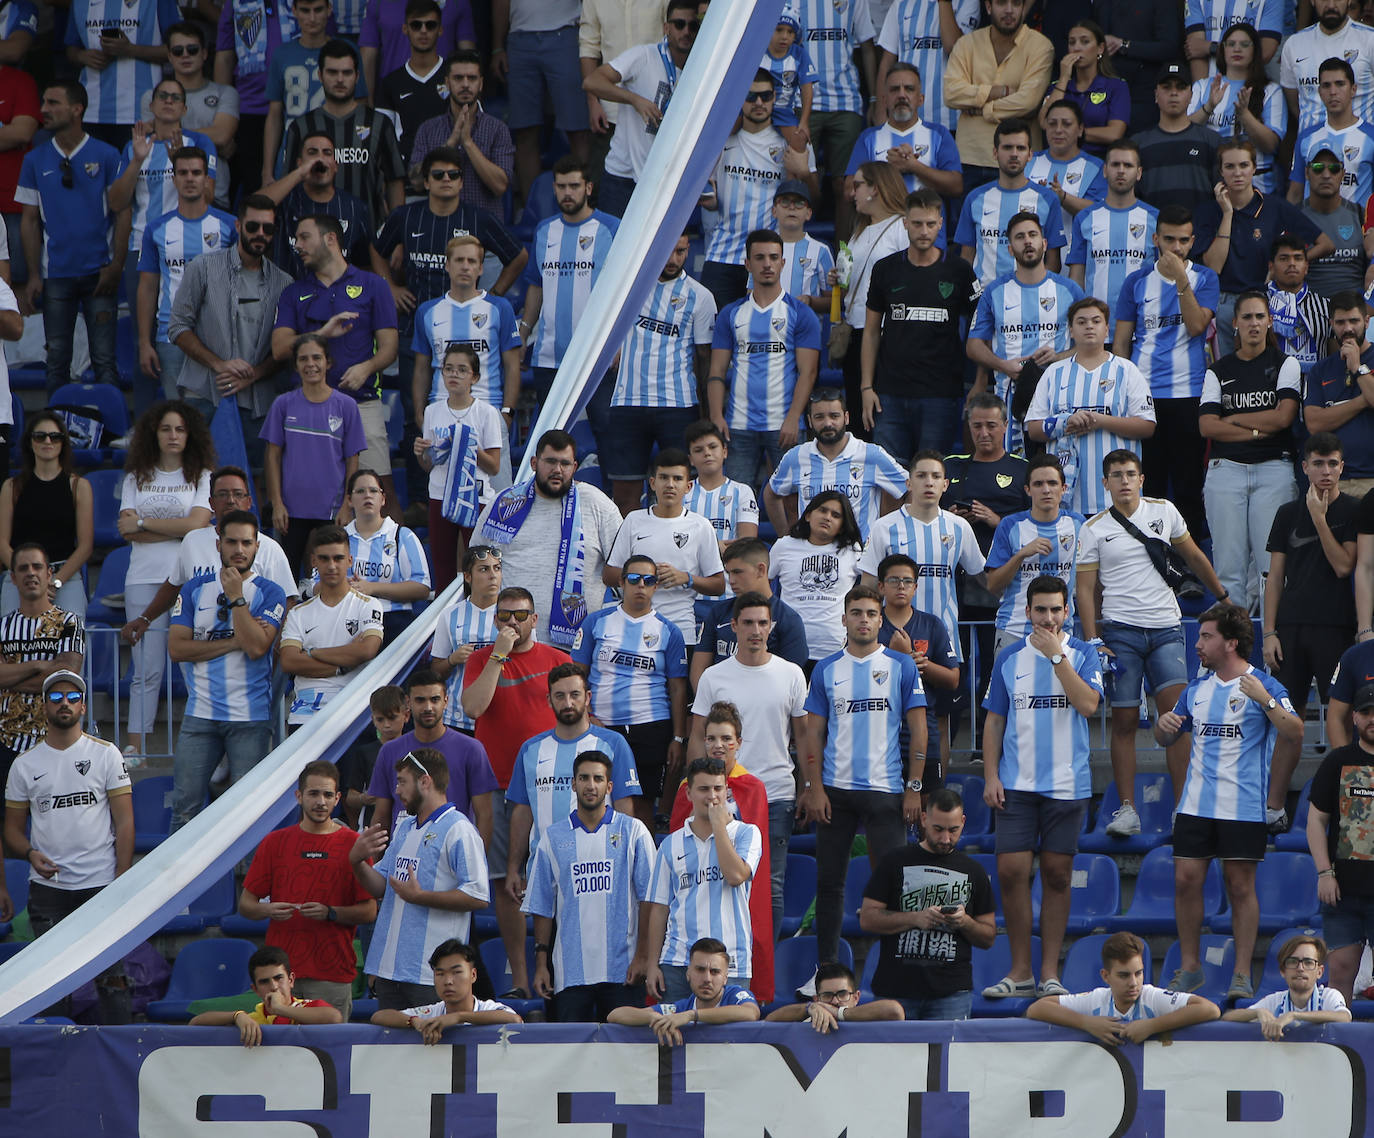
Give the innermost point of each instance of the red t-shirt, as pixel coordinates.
(294, 866)
(18, 97)
(520, 708)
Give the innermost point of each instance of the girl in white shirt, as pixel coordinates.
(166, 494)
(815, 565)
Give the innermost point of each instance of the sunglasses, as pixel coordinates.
(481, 553)
(1326, 167)
(683, 25)
(59, 697)
(759, 97)
(504, 615)
(47, 436)
(446, 175)
(266, 228)
(422, 25)
(66, 167)
(641, 578)
(185, 49)
(171, 96)
(410, 758)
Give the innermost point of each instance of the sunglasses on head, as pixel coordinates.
(266, 228)
(641, 578)
(481, 554)
(504, 615)
(410, 758)
(59, 697)
(422, 25)
(184, 49)
(47, 436)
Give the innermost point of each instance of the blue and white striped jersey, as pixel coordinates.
(861, 471)
(746, 175)
(155, 195)
(462, 623)
(725, 506)
(1214, 17)
(1233, 743)
(688, 879)
(542, 777)
(1355, 145)
(592, 882)
(565, 260)
(1300, 61)
(1171, 361)
(983, 224)
(230, 688)
(1111, 244)
(1080, 175)
(1016, 319)
(790, 74)
(831, 32)
(1273, 113)
(1015, 533)
(658, 361)
(18, 16)
(1322, 999)
(1115, 387)
(763, 345)
(864, 702)
(486, 324)
(939, 547)
(806, 267)
(1045, 747)
(117, 92)
(170, 244)
(911, 32)
(1153, 1002)
(391, 555)
(441, 854)
(630, 661)
(932, 144)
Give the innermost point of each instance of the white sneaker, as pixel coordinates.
(132, 758)
(1125, 822)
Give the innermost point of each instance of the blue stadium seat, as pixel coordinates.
(1094, 893)
(977, 833)
(1152, 906)
(363, 1010)
(114, 412)
(1154, 802)
(203, 970)
(105, 488)
(206, 910)
(794, 963)
(1286, 885)
(989, 966)
(1082, 971)
(109, 585)
(17, 882)
(234, 925)
(152, 811)
(804, 843)
(1296, 837)
(495, 964)
(799, 890)
(11, 948)
(17, 430)
(539, 204)
(855, 879)
(1218, 965)
(989, 863)
(1271, 980)
(395, 417)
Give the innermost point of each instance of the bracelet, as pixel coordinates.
(410, 1021)
(496, 659)
(696, 1015)
(1362, 631)
(235, 1016)
(1270, 633)
(1326, 873)
(688, 585)
(839, 1012)
(144, 619)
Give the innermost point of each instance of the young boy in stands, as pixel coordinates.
(1302, 960)
(270, 971)
(712, 999)
(455, 969)
(1127, 1010)
(390, 712)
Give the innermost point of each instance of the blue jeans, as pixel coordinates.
(19, 267)
(957, 1005)
(748, 451)
(201, 744)
(782, 817)
(1241, 533)
(1226, 323)
(907, 425)
(63, 298)
(171, 359)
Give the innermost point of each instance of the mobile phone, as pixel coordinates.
(949, 910)
(109, 32)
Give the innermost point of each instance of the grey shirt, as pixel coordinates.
(1344, 268)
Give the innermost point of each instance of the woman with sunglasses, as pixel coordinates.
(166, 495)
(48, 502)
(815, 565)
(1239, 101)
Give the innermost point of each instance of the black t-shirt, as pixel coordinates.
(1312, 593)
(921, 347)
(412, 101)
(1235, 386)
(927, 963)
(1343, 787)
(1000, 486)
(1364, 517)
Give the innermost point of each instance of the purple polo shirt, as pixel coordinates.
(307, 304)
(317, 440)
(469, 769)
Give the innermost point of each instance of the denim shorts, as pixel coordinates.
(545, 63)
(1349, 921)
(1037, 822)
(1153, 652)
(633, 432)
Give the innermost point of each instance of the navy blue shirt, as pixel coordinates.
(79, 214)
(1329, 383)
(716, 637)
(307, 305)
(1354, 671)
(1253, 230)
(352, 214)
(928, 635)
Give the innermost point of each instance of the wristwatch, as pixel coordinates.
(914, 785)
(141, 526)
(1273, 703)
(1363, 369)
(1057, 659)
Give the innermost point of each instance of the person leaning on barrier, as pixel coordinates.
(712, 1000)
(454, 965)
(269, 969)
(836, 1002)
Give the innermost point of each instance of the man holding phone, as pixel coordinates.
(120, 49)
(930, 905)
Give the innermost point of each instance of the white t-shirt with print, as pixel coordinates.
(166, 494)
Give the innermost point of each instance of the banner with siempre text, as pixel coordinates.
(976, 1079)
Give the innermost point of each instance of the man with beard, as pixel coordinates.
(923, 153)
(1340, 393)
(308, 190)
(470, 778)
(430, 878)
(542, 788)
(1112, 239)
(224, 627)
(931, 906)
(834, 459)
(661, 367)
(71, 793)
(301, 882)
